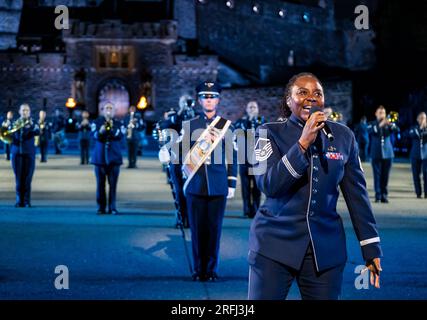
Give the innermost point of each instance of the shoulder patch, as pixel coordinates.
(263, 149)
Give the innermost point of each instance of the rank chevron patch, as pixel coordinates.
(263, 149)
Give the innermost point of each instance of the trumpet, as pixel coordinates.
(42, 125)
(336, 116)
(393, 117)
(108, 125)
(6, 135)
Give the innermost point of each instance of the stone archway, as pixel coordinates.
(114, 91)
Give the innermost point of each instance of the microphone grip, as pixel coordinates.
(328, 134)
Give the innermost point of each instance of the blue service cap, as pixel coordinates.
(208, 87)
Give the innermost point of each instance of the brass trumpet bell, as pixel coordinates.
(6, 135)
(336, 116)
(393, 117)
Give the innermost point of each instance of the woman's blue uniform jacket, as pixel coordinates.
(302, 193)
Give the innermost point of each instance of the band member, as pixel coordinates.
(134, 125)
(107, 158)
(250, 193)
(84, 128)
(23, 153)
(418, 134)
(58, 129)
(210, 179)
(297, 232)
(382, 153)
(7, 125)
(174, 120)
(362, 137)
(42, 140)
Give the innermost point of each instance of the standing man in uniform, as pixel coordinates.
(418, 134)
(134, 125)
(210, 170)
(44, 136)
(362, 137)
(173, 121)
(23, 152)
(58, 128)
(7, 125)
(84, 128)
(107, 158)
(251, 195)
(382, 153)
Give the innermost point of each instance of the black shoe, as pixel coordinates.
(113, 212)
(384, 200)
(212, 276)
(419, 196)
(196, 276)
(18, 205)
(100, 211)
(27, 205)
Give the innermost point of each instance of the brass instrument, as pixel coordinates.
(6, 135)
(336, 116)
(131, 125)
(42, 125)
(256, 122)
(108, 125)
(393, 117)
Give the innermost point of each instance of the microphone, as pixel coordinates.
(326, 130)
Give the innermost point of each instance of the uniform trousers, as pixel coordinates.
(271, 280)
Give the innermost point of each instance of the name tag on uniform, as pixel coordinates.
(334, 156)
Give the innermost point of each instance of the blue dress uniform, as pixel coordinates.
(107, 158)
(6, 145)
(297, 228)
(23, 153)
(362, 138)
(382, 155)
(84, 137)
(251, 195)
(176, 178)
(133, 138)
(206, 199)
(45, 129)
(58, 128)
(419, 158)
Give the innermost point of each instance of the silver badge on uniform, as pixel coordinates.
(263, 149)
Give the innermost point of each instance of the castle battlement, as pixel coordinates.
(111, 29)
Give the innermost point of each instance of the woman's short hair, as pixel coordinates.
(285, 110)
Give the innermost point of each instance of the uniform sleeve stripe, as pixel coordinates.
(369, 241)
(232, 178)
(290, 168)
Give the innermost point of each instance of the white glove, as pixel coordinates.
(164, 155)
(231, 192)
